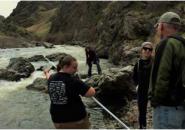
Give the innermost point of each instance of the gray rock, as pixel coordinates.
(18, 68)
(10, 75)
(56, 56)
(36, 58)
(114, 86)
(21, 66)
(39, 84)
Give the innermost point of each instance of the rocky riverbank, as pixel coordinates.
(130, 116)
(31, 108)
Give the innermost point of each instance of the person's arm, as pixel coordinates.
(83, 89)
(91, 92)
(46, 73)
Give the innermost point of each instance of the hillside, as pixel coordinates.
(12, 35)
(28, 21)
(34, 16)
(112, 27)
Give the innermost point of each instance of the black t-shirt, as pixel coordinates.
(64, 91)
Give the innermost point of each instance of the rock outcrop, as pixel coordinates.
(18, 68)
(108, 26)
(52, 57)
(36, 58)
(11, 75)
(56, 56)
(115, 86)
(39, 84)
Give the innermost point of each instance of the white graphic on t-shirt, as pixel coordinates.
(57, 90)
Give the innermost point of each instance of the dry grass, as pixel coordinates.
(42, 26)
(12, 42)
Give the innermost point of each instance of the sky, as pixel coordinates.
(7, 6)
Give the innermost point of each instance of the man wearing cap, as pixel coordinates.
(166, 88)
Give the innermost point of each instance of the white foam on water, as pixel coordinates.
(25, 109)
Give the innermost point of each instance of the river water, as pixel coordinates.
(25, 109)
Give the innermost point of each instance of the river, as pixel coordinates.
(25, 109)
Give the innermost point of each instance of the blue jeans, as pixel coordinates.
(90, 68)
(165, 117)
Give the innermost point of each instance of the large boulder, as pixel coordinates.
(52, 57)
(21, 66)
(39, 84)
(10, 75)
(56, 56)
(114, 86)
(36, 58)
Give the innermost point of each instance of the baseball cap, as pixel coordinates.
(171, 18)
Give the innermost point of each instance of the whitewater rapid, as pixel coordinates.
(24, 109)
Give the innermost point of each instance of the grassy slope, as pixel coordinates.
(42, 26)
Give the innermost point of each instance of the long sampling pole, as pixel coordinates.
(100, 104)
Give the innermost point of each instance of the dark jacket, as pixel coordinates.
(91, 57)
(165, 88)
(141, 76)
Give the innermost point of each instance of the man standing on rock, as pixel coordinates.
(166, 83)
(92, 58)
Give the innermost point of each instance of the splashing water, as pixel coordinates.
(25, 109)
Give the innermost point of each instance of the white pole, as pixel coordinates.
(110, 113)
(50, 62)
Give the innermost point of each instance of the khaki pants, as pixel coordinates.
(82, 124)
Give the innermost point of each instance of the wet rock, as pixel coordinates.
(36, 58)
(39, 84)
(56, 56)
(10, 75)
(18, 68)
(41, 68)
(22, 66)
(52, 57)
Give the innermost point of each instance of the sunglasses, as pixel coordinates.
(146, 48)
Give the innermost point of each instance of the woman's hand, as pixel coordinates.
(46, 73)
